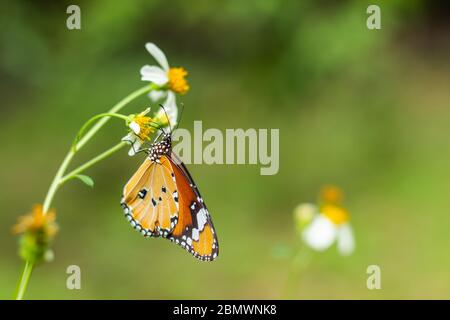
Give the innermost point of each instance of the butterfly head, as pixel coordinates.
(161, 148)
(166, 137)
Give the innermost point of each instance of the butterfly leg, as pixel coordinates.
(132, 147)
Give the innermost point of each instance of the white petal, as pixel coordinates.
(135, 147)
(131, 152)
(135, 142)
(146, 111)
(130, 138)
(156, 95)
(154, 74)
(320, 234)
(345, 240)
(305, 212)
(159, 56)
(135, 127)
(170, 106)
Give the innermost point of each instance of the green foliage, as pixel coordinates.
(34, 247)
(85, 179)
(367, 110)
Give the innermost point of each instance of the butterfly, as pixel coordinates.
(162, 200)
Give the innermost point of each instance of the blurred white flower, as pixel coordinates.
(328, 225)
(323, 232)
(169, 80)
(303, 215)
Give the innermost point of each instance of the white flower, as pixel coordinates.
(169, 80)
(345, 239)
(330, 226)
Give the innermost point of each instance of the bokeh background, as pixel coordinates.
(368, 110)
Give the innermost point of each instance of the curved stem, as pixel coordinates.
(91, 162)
(54, 185)
(56, 182)
(114, 109)
(100, 123)
(23, 283)
(298, 264)
(92, 120)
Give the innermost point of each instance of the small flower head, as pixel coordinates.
(142, 125)
(38, 230)
(140, 128)
(331, 194)
(37, 221)
(329, 224)
(336, 214)
(165, 77)
(169, 82)
(177, 80)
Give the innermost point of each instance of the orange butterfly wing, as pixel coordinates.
(195, 230)
(150, 199)
(161, 199)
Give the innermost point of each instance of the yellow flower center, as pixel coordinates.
(37, 221)
(145, 126)
(336, 214)
(331, 194)
(177, 80)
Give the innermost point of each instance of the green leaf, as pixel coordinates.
(85, 179)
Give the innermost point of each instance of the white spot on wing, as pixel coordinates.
(201, 218)
(195, 234)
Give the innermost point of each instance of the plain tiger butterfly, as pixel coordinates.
(162, 200)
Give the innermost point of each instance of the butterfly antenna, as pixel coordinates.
(157, 127)
(181, 115)
(168, 120)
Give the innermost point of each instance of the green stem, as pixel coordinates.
(54, 186)
(82, 141)
(115, 109)
(92, 120)
(23, 283)
(300, 261)
(91, 162)
(56, 183)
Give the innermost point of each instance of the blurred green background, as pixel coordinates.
(368, 110)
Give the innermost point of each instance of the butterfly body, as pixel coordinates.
(162, 200)
(162, 148)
